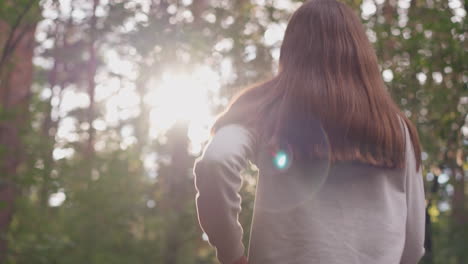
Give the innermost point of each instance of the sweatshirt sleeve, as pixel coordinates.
(218, 182)
(416, 203)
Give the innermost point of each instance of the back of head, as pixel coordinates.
(328, 99)
(321, 36)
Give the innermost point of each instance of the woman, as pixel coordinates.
(339, 164)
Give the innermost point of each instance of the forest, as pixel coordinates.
(106, 104)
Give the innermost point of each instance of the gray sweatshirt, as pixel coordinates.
(320, 213)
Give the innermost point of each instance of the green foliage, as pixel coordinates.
(11, 10)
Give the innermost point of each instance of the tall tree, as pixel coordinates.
(17, 26)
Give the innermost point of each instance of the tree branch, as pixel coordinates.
(10, 45)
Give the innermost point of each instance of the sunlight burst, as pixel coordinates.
(184, 97)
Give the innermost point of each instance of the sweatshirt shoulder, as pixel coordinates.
(230, 141)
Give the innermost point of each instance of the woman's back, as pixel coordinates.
(345, 212)
(357, 216)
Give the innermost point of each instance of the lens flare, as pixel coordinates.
(294, 181)
(281, 160)
(281, 157)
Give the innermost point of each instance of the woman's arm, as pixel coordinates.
(218, 182)
(415, 204)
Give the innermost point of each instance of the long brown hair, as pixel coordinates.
(328, 81)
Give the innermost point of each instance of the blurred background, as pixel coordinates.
(105, 104)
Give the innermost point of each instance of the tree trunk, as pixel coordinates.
(16, 73)
(177, 192)
(92, 65)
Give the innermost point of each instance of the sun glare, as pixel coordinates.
(184, 97)
(187, 96)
